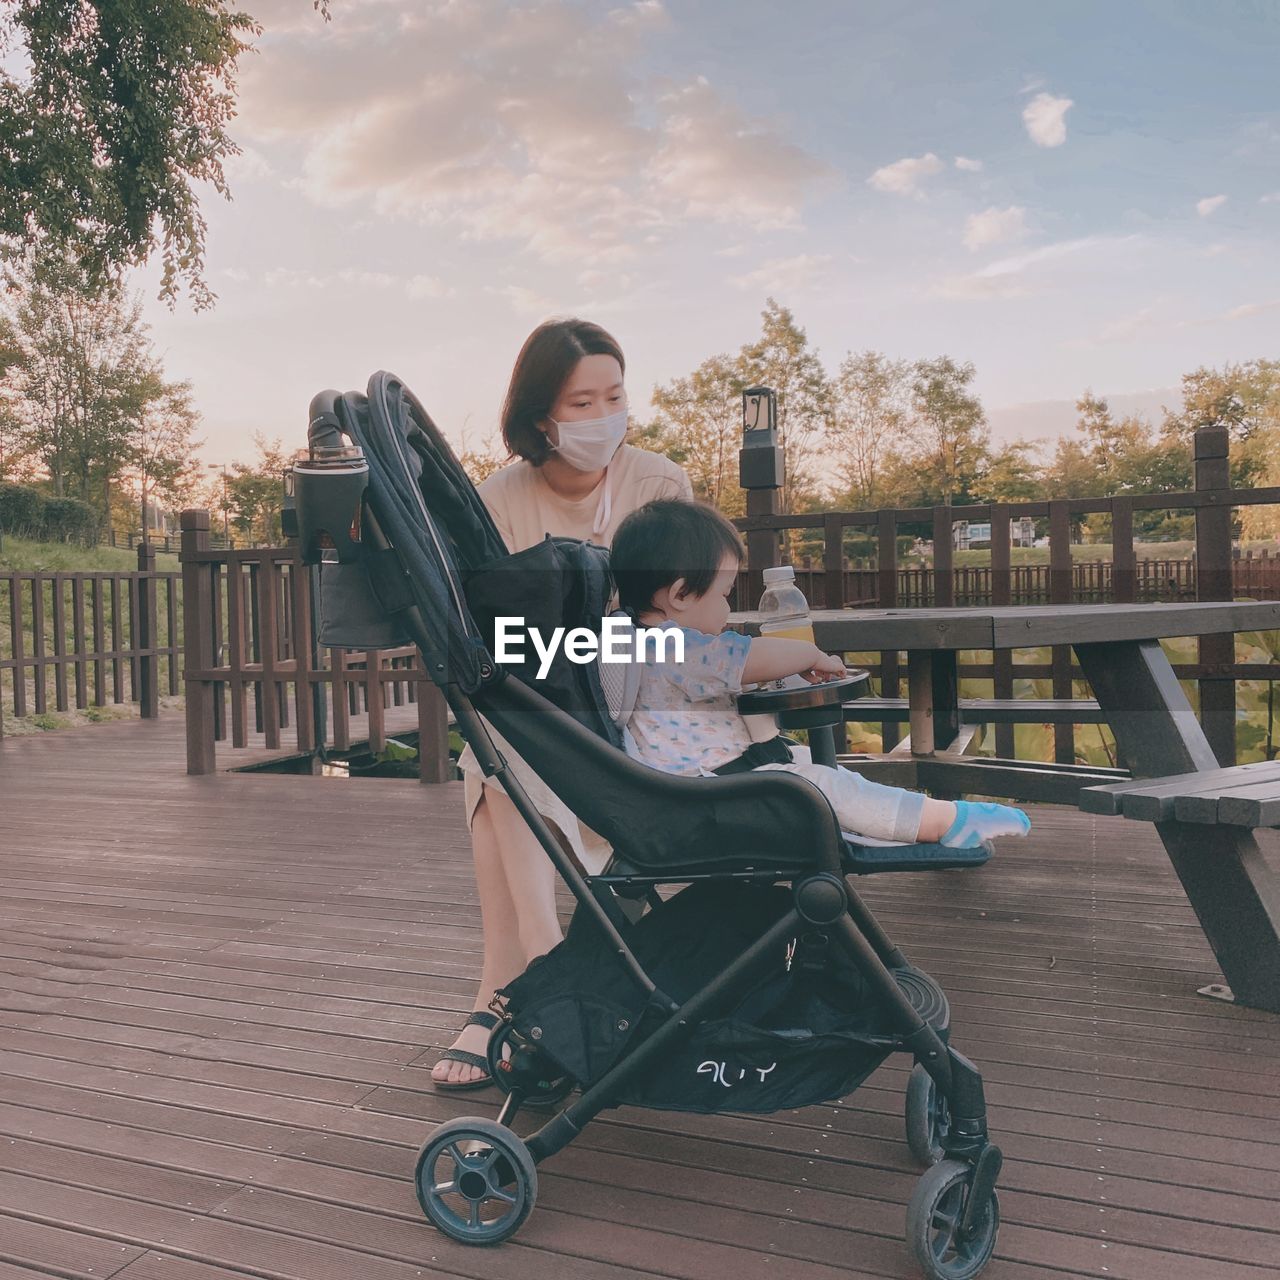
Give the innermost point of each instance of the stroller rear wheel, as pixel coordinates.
(934, 1233)
(928, 1118)
(476, 1180)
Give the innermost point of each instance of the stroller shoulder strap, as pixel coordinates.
(620, 681)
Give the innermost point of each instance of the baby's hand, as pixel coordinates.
(827, 667)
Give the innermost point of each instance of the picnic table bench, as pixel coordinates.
(1203, 813)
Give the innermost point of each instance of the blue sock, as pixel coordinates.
(979, 821)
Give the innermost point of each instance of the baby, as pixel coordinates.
(685, 719)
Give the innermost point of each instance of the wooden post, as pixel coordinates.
(1060, 582)
(887, 593)
(1213, 582)
(1124, 578)
(832, 561)
(433, 729)
(1002, 594)
(944, 582)
(197, 640)
(145, 640)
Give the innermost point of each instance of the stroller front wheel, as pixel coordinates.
(476, 1180)
(934, 1233)
(928, 1118)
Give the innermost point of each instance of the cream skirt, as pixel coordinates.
(591, 850)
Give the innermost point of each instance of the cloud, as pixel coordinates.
(1249, 309)
(522, 299)
(1210, 204)
(520, 122)
(1272, 197)
(415, 287)
(994, 226)
(969, 166)
(785, 275)
(1022, 274)
(903, 177)
(1046, 119)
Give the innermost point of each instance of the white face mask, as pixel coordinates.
(588, 445)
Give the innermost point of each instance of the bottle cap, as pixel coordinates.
(779, 573)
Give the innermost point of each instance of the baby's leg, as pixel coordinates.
(890, 813)
(864, 807)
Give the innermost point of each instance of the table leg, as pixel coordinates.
(933, 691)
(1233, 892)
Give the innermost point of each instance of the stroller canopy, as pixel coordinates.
(452, 563)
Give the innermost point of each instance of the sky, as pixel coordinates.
(1068, 195)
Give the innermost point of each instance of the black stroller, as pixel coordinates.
(763, 984)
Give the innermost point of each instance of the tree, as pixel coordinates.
(122, 112)
(77, 374)
(871, 413)
(1012, 474)
(781, 358)
(949, 426)
(699, 425)
(255, 493)
(1113, 445)
(162, 451)
(1245, 398)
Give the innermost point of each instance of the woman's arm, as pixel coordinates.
(772, 658)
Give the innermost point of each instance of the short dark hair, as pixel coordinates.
(549, 355)
(667, 539)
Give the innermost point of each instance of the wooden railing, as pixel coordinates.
(91, 639)
(249, 630)
(249, 636)
(1211, 503)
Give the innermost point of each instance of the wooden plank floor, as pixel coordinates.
(220, 998)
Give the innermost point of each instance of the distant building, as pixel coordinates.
(966, 534)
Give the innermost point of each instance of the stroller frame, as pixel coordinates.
(953, 1217)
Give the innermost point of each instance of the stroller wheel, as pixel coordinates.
(928, 1118)
(513, 1060)
(476, 1180)
(933, 1224)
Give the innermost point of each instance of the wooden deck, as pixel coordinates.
(221, 997)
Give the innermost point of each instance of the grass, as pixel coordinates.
(28, 556)
(64, 557)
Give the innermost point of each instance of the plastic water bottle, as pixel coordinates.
(783, 609)
(784, 612)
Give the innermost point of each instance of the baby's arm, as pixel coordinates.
(772, 658)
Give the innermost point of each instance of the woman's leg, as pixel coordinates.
(531, 878)
(516, 883)
(504, 957)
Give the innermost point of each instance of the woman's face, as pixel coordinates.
(593, 390)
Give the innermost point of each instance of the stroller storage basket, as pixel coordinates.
(806, 1032)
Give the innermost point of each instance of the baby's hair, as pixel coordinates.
(667, 539)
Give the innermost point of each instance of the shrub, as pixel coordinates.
(26, 513)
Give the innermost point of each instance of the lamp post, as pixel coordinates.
(760, 473)
(226, 519)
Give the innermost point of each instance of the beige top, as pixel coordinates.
(526, 508)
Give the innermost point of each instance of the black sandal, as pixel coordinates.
(478, 1019)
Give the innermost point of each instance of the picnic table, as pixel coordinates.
(1159, 741)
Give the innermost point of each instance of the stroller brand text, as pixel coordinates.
(620, 640)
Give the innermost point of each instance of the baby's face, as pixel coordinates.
(708, 613)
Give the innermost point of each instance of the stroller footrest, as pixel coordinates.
(867, 859)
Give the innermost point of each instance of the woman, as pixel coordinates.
(564, 419)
